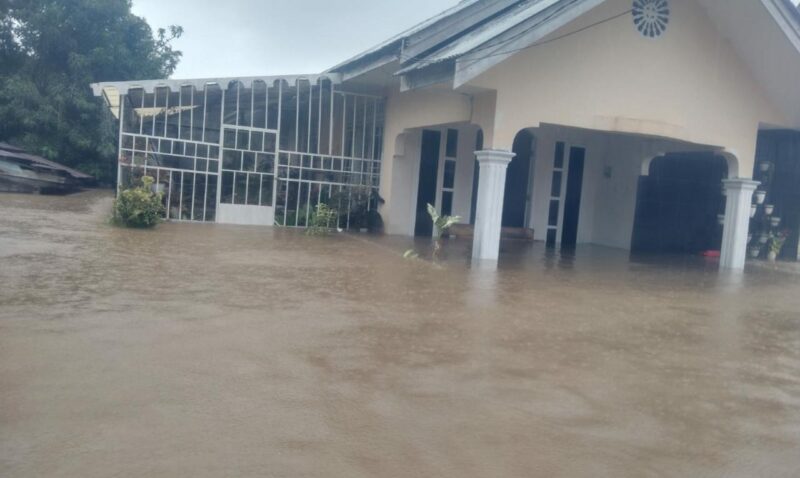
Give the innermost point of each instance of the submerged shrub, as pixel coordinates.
(138, 206)
(322, 220)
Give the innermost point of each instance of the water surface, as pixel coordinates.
(207, 351)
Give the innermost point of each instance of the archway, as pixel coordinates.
(678, 204)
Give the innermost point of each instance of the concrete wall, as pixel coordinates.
(688, 84)
(245, 215)
(399, 218)
(404, 113)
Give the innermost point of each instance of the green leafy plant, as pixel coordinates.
(442, 224)
(322, 220)
(410, 254)
(777, 241)
(138, 206)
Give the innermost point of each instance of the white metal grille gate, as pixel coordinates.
(267, 147)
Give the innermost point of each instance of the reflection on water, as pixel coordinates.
(204, 350)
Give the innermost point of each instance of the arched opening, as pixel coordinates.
(678, 204)
(519, 181)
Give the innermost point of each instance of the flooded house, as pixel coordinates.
(22, 172)
(658, 126)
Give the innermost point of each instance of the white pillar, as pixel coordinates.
(489, 207)
(737, 222)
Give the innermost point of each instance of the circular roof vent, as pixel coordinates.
(651, 17)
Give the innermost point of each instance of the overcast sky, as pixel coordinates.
(268, 37)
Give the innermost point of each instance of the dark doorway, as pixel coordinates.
(678, 203)
(781, 150)
(428, 170)
(515, 201)
(572, 201)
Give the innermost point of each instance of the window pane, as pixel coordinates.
(447, 203)
(248, 161)
(243, 140)
(188, 197)
(175, 195)
(245, 100)
(269, 142)
(556, 186)
(265, 163)
(256, 140)
(227, 188)
(240, 189)
(449, 174)
(199, 196)
(558, 162)
(552, 219)
(230, 139)
(266, 190)
(451, 151)
(231, 159)
(253, 188)
(211, 198)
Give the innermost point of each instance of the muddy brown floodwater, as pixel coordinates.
(209, 351)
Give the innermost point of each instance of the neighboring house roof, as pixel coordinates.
(475, 35)
(18, 154)
(108, 89)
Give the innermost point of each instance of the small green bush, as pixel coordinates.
(322, 220)
(139, 206)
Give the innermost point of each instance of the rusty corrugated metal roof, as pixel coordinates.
(10, 151)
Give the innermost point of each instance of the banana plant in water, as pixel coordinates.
(442, 224)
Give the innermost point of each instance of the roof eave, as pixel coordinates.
(149, 86)
(466, 67)
(438, 73)
(368, 60)
(787, 17)
(512, 41)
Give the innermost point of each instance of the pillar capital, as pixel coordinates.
(495, 156)
(740, 184)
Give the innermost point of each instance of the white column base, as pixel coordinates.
(489, 207)
(737, 222)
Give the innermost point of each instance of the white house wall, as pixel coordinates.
(400, 218)
(405, 112)
(688, 84)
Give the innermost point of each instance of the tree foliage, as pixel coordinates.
(50, 51)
